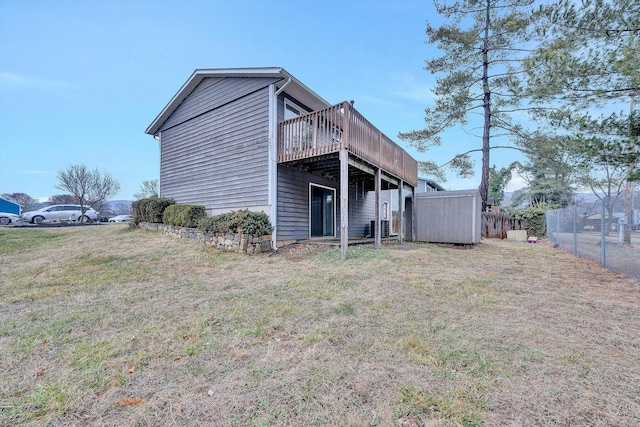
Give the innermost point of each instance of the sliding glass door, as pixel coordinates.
(322, 211)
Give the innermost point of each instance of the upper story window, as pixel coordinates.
(299, 134)
(292, 110)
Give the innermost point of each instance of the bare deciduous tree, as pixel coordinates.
(148, 188)
(88, 186)
(123, 208)
(63, 199)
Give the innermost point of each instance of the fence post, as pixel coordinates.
(575, 230)
(603, 242)
(558, 226)
(547, 220)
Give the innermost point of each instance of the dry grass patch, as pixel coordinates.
(105, 326)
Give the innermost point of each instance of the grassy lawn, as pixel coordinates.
(618, 257)
(106, 326)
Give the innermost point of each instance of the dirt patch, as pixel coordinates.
(297, 250)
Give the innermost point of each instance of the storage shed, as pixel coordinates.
(9, 206)
(449, 216)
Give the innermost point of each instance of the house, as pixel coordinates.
(593, 222)
(425, 184)
(9, 206)
(259, 139)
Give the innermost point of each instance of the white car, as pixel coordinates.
(121, 218)
(8, 218)
(60, 213)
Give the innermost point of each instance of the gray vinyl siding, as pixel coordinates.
(209, 96)
(293, 202)
(293, 205)
(218, 157)
(361, 212)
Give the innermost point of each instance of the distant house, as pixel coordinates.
(9, 206)
(425, 184)
(594, 221)
(258, 138)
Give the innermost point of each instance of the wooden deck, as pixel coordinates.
(325, 132)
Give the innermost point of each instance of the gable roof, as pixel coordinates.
(293, 86)
(449, 193)
(431, 183)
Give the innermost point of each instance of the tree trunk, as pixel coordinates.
(628, 209)
(609, 222)
(628, 191)
(484, 183)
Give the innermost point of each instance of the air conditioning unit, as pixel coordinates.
(384, 225)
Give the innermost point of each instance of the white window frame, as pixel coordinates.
(293, 106)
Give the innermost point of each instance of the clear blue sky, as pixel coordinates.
(81, 80)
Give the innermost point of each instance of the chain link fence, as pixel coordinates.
(595, 237)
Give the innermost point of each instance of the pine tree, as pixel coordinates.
(484, 45)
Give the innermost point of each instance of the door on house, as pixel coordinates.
(322, 211)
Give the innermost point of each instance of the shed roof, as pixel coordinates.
(294, 87)
(449, 193)
(9, 202)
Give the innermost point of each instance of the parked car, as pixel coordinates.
(121, 218)
(8, 218)
(60, 213)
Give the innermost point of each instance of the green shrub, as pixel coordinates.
(537, 226)
(242, 221)
(184, 215)
(151, 209)
(213, 225)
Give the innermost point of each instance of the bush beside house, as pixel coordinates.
(151, 209)
(241, 222)
(184, 215)
(239, 231)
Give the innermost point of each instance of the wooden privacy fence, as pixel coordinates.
(496, 224)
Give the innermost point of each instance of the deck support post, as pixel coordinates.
(378, 231)
(413, 214)
(344, 202)
(400, 212)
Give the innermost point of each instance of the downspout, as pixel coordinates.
(158, 138)
(279, 91)
(273, 154)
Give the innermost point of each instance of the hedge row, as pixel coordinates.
(166, 211)
(151, 209)
(184, 215)
(241, 222)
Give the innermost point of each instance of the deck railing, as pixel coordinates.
(327, 131)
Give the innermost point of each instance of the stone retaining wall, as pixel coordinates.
(244, 243)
